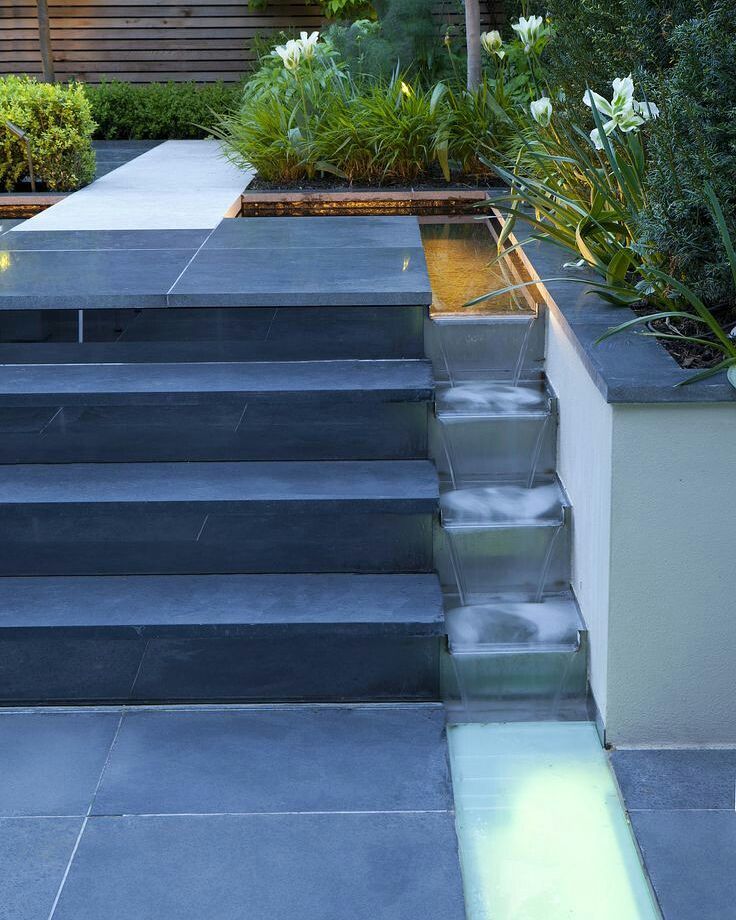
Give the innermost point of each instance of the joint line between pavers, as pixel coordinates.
(262, 814)
(190, 262)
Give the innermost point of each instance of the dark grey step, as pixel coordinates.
(208, 411)
(145, 518)
(238, 637)
(213, 334)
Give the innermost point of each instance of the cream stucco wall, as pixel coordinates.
(653, 490)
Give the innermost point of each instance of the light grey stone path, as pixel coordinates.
(177, 185)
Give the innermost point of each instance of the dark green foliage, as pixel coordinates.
(694, 144)
(597, 40)
(158, 111)
(405, 36)
(57, 120)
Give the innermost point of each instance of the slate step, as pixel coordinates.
(276, 333)
(494, 430)
(249, 638)
(305, 410)
(217, 518)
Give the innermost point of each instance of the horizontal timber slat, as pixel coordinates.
(194, 40)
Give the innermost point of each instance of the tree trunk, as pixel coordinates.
(44, 38)
(472, 39)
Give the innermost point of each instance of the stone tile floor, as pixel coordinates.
(681, 805)
(227, 812)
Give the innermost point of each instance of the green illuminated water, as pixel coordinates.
(543, 835)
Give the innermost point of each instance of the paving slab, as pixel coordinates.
(81, 240)
(176, 184)
(671, 778)
(323, 759)
(34, 854)
(97, 279)
(287, 233)
(264, 867)
(690, 856)
(321, 277)
(51, 762)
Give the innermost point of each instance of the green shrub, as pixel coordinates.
(58, 122)
(597, 40)
(159, 111)
(316, 118)
(693, 146)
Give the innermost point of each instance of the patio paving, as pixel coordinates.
(681, 805)
(173, 185)
(226, 812)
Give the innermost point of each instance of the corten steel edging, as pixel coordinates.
(409, 201)
(21, 205)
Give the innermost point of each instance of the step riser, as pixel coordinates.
(253, 334)
(217, 538)
(290, 427)
(288, 665)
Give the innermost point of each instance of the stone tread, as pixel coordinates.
(411, 378)
(193, 604)
(408, 485)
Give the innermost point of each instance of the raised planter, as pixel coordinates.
(650, 471)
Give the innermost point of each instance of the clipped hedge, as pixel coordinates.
(58, 121)
(159, 111)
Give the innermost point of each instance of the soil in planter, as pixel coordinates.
(331, 184)
(687, 354)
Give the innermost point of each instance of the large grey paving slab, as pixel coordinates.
(671, 778)
(81, 240)
(690, 856)
(376, 276)
(299, 759)
(90, 279)
(311, 233)
(266, 867)
(34, 854)
(177, 184)
(51, 762)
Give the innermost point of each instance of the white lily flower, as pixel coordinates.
(290, 53)
(623, 111)
(529, 29)
(541, 110)
(493, 43)
(648, 110)
(309, 44)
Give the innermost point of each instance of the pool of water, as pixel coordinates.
(460, 255)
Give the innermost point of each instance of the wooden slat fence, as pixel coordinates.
(202, 40)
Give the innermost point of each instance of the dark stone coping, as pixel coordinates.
(629, 367)
(189, 605)
(253, 262)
